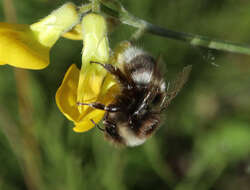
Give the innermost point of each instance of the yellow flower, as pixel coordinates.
(92, 83)
(66, 99)
(28, 46)
(95, 48)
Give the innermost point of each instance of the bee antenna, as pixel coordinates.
(96, 125)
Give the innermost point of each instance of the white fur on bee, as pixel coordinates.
(132, 52)
(129, 137)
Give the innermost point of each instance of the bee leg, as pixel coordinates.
(96, 125)
(109, 108)
(117, 73)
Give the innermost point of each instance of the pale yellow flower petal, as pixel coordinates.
(49, 29)
(95, 48)
(90, 81)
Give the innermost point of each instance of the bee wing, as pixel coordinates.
(174, 87)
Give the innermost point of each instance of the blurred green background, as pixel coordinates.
(203, 143)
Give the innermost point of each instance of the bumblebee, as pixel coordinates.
(135, 113)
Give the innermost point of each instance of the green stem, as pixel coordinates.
(115, 9)
(95, 6)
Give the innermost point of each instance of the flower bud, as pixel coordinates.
(95, 48)
(49, 29)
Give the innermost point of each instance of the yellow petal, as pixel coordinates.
(75, 33)
(110, 87)
(85, 124)
(20, 48)
(66, 99)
